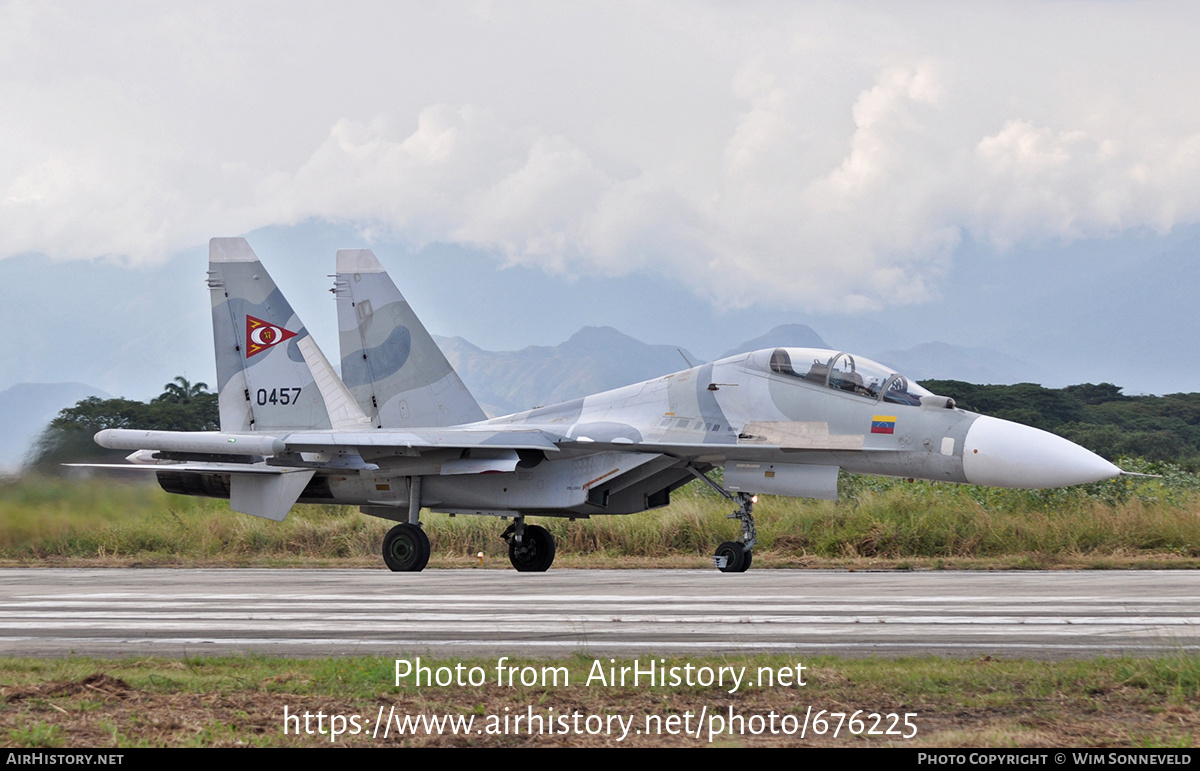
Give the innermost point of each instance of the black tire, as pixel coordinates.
(736, 557)
(406, 548)
(535, 553)
(749, 558)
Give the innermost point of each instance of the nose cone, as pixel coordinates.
(998, 453)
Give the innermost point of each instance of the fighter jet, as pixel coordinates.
(399, 432)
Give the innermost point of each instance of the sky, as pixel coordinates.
(1018, 176)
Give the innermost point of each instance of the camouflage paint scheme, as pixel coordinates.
(390, 363)
(402, 432)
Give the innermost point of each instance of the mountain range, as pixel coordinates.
(597, 359)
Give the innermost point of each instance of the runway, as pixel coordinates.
(105, 612)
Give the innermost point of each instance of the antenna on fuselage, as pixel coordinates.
(685, 358)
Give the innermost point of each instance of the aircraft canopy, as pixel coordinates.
(843, 372)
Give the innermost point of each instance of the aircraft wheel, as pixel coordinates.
(406, 548)
(737, 557)
(535, 553)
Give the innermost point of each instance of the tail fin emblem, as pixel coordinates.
(261, 335)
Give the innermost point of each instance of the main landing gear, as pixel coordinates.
(406, 548)
(530, 547)
(735, 556)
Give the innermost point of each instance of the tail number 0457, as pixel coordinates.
(277, 396)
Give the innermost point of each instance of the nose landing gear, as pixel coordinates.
(734, 556)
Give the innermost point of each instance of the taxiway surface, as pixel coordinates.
(55, 612)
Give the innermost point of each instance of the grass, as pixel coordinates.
(238, 701)
(877, 523)
(985, 702)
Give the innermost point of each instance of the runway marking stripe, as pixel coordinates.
(607, 645)
(49, 610)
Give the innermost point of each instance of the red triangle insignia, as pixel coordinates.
(261, 335)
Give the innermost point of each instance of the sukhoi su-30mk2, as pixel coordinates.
(399, 432)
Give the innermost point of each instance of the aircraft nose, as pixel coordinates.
(999, 453)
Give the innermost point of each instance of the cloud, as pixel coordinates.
(825, 158)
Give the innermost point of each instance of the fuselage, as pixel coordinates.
(778, 420)
(747, 410)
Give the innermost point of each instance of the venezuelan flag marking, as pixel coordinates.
(883, 424)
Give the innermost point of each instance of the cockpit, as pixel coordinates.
(844, 372)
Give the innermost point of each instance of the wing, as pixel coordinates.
(449, 438)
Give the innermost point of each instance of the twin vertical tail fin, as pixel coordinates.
(273, 378)
(392, 366)
(271, 375)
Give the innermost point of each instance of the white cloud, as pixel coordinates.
(825, 158)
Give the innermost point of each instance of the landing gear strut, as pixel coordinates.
(734, 556)
(530, 548)
(406, 548)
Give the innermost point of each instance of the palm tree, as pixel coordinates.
(181, 391)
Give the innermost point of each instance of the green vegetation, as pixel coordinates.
(878, 522)
(1098, 417)
(238, 701)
